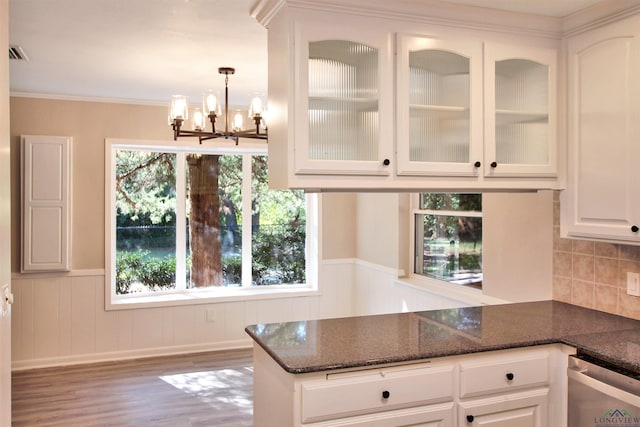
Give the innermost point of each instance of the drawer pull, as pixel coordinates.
(385, 394)
(470, 418)
(510, 376)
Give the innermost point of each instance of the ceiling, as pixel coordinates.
(148, 50)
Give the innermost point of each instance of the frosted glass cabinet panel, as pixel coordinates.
(520, 107)
(343, 101)
(344, 91)
(439, 106)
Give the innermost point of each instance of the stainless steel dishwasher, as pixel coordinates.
(601, 395)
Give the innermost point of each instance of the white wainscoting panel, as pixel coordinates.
(378, 290)
(59, 318)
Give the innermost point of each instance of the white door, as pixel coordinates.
(5, 230)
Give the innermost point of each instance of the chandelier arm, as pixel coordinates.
(176, 124)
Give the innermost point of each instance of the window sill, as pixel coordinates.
(464, 294)
(208, 297)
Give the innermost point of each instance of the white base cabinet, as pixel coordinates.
(507, 388)
(528, 409)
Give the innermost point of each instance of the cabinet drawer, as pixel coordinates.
(342, 395)
(496, 374)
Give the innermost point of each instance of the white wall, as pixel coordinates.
(518, 246)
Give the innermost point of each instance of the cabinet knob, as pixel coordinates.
(386, 394)
(477, 164)
(494, 164)
(510, 376)
(386, 162)
(470, 418)
(634, 228)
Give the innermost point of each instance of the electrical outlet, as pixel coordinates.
(633, 284)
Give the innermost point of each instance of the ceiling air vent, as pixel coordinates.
(17, 53)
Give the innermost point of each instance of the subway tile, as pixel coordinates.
(608, 250)
(631, 253)
(562, 262)
(606, 271)
(583, 247)
(582, 293)
(583, 267)
(560, 244)
(606, 298)
(629, 306)
(562, 289)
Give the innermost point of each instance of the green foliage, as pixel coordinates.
(279, 257)
(451, 201)
(127, 263)
(138, 267)
(232, 269)
(159, 273)
(145, 184)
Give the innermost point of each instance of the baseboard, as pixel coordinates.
(83, 359)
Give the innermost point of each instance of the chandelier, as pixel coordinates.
(211, 108)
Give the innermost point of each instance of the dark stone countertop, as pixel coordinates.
(319, 345)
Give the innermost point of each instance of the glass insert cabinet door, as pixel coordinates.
(520, 109)
(439, 98)
(344, 117)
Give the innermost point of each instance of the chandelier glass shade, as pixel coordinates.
(213, 111)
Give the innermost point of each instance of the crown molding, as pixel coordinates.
(432, 12)
(61, 97)
(599, 14)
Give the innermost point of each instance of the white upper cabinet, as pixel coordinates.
(343, 83)
(520, 111)
(365, 98)
(601, 199)
(439, 106)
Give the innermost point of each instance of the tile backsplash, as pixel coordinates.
(593, 274)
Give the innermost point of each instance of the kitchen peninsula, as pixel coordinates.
(432, 366)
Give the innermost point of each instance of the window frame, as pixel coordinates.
(430, 282)
(212, 294)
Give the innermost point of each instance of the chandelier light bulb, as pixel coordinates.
(210, 103)
(179, 108)
(198, 119)
(265, 117)
(256, 106)
(237, 121)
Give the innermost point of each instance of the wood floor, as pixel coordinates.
(205, 389)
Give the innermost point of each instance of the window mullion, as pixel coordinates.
(247, 259)
(181, 222)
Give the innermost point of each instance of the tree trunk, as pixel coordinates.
(204, 220)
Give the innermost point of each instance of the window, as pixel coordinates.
(448, 237)
(201, 221)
